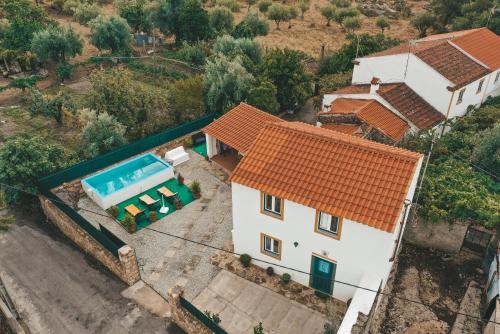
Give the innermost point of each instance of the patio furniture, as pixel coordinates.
(133, 210)
(164, 191)
(149, 201)
(177, 156)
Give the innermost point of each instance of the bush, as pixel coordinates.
(58, 5)
(221, 19)
(195, 188)
(233, 5)
(486, 152)
(70, 6)
(270, 271)
(153, 216)
(332, 82)
(113, 211)
(213, 316)
(264, 5)
(86, 12)
(251, 26)
(64, 71)
(129, 222)
(193, 54)
(245, 260)
(258, 329)
(286, 278)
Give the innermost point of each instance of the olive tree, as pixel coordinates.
(221, 19)
(328, 13)
(383, 23)
(278, 13)
(56, 43)
(101, 133)
(111, 33)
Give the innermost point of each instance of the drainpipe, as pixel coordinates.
(400, 233)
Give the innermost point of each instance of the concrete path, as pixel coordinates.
(57, 289)
(143, 295)
(242, 304)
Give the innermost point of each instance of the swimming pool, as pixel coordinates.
(127, 179)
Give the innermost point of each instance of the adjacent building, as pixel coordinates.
(422, 82)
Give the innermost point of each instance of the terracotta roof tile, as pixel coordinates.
(453, 64)
(354, 89)
(340, 174)
(410, 105)
(350, 129)
(372, 113)
(240, 126)
(482, 44)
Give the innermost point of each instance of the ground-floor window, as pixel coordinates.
(270, 246)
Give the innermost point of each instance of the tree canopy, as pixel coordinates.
(101, 133)
(136, 14)
(251, 26)
(56, 43)
(284, 68)
(23, 159)
(221, 19)
(193, 22)
(111, 33)
(226, 82)
(186, 99)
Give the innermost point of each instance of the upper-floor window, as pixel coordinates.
(497, 77)
(480, 86)
(328, 225)
(461, 96)
(270, 246)
(272, 205)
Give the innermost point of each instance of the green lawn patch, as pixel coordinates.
(201, 149)
(182, 190)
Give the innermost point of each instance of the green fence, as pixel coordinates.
(122, 153)
(202, 317)
(106, 238)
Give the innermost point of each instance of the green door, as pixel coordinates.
(322, 274)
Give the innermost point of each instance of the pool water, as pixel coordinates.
(126, 174)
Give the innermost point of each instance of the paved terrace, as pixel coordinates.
(165, 261)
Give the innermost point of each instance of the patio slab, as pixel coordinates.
(242, 304)
(165, 260)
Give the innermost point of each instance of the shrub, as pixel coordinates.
(264, 5)
(188, 142)
(129, 223)
(251, 26)
(286, 278)
(69, 6)
(332, 82)
(213, 316)
(153, 216)
(352, 23)
(180, 179)
(58, 5)
(258, 329)
(233, 5)
(86, 12)
(270, 271)
(193, 54)
(64, 71)
(178, 204)
(113, 211)
(383, 23)
(245, 260)
(486, 152)
(221, 19)
(195, 188)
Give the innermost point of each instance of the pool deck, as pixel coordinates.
(165, 261)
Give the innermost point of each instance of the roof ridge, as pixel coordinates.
(351, 140)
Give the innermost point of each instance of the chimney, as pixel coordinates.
(375, 85)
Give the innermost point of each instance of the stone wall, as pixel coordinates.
(442, 236)
(125, 266)
(183, 318)
(8, 323)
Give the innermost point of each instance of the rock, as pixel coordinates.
(15, 67)
(374, 8)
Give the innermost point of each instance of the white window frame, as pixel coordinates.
(276, 204)
(326, 220)
(461, 96)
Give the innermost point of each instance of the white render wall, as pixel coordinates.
(470, 98)
(211, 146)
(387, 69)
(360, 249)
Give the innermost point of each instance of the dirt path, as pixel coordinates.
(432, 278)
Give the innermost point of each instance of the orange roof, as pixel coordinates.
(240, 126)
(343, 175)
(372, 113)
(350, 129)
(482, 44)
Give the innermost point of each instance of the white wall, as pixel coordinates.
(429, 84)
(211, 146)
(493, 87)
(360, 249)
(387, 68)
(470, 98)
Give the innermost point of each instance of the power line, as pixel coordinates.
(270, 263)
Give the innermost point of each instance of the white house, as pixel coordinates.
(329, 205)
(430, 79)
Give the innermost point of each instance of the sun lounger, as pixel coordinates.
(133, 210)
(164, 191)
(148, 200)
